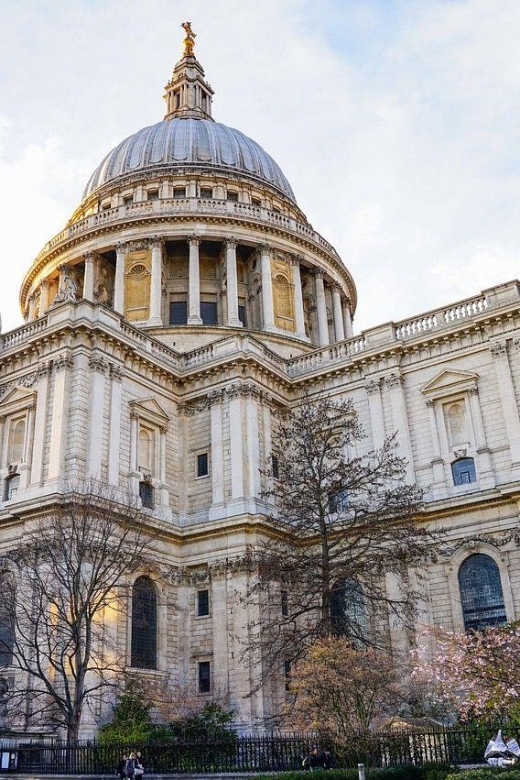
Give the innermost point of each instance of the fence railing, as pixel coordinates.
(254, 754)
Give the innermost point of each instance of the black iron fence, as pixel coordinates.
(254, 754)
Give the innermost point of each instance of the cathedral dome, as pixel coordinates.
(190, 142)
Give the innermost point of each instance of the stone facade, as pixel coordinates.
(182, 303)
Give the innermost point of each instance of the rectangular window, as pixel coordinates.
(275, 467)
(232, 197)
(256, 202)
(146, 494)
(153, 194)
(202, 603)
(242, 315)
(287, 673)
(284, 598)
(202, 464)
(178, 312)
(204, 677)
(206, 194)
(338, 502)
(179, 193)
(208, 312)
(128, 200)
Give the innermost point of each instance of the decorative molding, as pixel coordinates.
(98, 363)
(473, 543)
(372, 386)
(394, 380)
(498, 348)
(116, 372)
(63, 361)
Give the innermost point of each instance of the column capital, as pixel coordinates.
(194, 240)
(230, 241)
(89, 257)
(296, 259)
(319, 274)
(372, 386)
(265, 248)
(498, 348)
(157, 242)
(122, 246)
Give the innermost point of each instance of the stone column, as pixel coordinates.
(163, 488)
(439, 475)
(98, 368)
(395, 385)
(375, 406)
(321, 307)
(44, 296)
(298, 299)
(25, 466)
(236, 444)
(194, 317)
(485, 473)
(508, 401)
(232, 283)
(347, 319)
(40, 424)
(119, 280)
(339, 332)
(156, 283)
(217, 457)
(59, 417)
(88, 277)
(252, 445)
(116, 376)
(267, 288)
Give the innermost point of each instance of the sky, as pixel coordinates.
(397, 123)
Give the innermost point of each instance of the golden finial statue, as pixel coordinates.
(189, 41)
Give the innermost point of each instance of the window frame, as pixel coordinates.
(204, 676)
(147, 660)
(198, 461)
(201, 603)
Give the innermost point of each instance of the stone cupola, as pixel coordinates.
(187, 93)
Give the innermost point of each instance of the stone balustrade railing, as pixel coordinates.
(441, 317)
(199, 206)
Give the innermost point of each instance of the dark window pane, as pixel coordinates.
(6, 619)
(275, 466)
(284, 603)
(178, 313)
(11, 487)
(204, 677)
(242, 315)
(202, 465)
(287, 672)
(463, 471)
(347, 611)
(208, 312)
(206, 194)
(202, 603)
(146, 494)
(144, 624)
(481, 593)
(179, 193)
(233, 197)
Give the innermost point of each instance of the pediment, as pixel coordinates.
(449, 382)
(149, 409)
(17, 398)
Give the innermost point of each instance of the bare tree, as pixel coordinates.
(343, 524)
(72, 565)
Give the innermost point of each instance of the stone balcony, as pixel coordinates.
(199, 208)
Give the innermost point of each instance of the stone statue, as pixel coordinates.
(68, 290)
(189, 41)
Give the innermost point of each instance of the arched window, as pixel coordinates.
(463, 471)
(6, 619)
(144, 624)
(347, 611)
(481, 593)
(16, 441)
